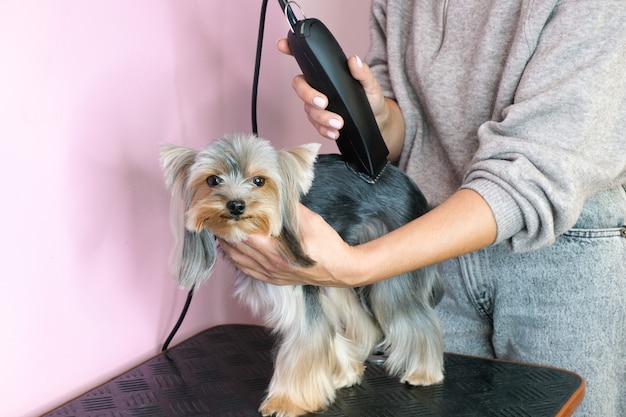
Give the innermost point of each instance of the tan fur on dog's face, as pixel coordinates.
(247, 178)
(237, 186)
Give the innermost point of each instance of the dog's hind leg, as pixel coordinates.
(403, 306)
(303, 372)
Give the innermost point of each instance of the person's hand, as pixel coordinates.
(315, 102)
(260, 257)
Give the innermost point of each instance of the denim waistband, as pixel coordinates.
(605, 210)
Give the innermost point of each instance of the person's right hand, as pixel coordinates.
(315, 102)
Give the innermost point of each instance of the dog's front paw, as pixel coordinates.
(282, 406)
(350, 376)
(423, 378)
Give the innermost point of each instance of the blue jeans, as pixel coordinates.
(563, 306)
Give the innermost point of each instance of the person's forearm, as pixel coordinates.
(460, 225)
(391, 125)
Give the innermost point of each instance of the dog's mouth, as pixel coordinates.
(234, 217)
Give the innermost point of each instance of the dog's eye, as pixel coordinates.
(214, 181)
(258, 181)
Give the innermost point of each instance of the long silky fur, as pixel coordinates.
(402, 306)
(296, 167)
(324, 335)
(194, 255)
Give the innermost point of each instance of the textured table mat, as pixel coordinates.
(225, 370)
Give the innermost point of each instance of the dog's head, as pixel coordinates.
(236, 186)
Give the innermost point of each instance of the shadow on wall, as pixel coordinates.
(89, 90)
(120, 202)
(214, 45)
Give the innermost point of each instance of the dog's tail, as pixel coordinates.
(194, 255)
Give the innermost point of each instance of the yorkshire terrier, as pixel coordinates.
(241, 185)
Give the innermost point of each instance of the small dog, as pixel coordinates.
(241, 185)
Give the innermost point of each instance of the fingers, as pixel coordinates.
(283, 46)
(245, 259)
(315, 102)
(325, 122)
(258, 257)
(328, 124)
(361, 72)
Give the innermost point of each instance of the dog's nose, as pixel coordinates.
(236, 207)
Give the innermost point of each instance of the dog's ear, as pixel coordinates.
(297, 169)
(175, 161)
(193, 256)
(297, 165)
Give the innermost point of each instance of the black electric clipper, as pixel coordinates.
(325, 67)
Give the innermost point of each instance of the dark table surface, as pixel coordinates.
(225, 370)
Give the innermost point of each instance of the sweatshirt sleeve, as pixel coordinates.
(377, 54)
(564, 136)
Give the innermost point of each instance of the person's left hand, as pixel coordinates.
(260, 257)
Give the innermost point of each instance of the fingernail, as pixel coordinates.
(319, 102)
(335, 123)
(331, 135)
(358, 61)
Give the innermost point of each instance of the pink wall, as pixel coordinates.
(88, 89)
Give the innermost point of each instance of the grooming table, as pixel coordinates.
(225, 370)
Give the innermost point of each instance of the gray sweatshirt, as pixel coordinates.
(522, 101)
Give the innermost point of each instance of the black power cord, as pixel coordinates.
(255, 130)
(257, 67)
(183, 313)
